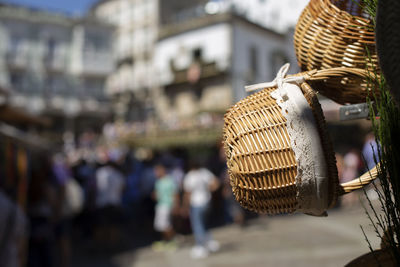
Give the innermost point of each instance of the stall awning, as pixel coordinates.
(12, 115)
(24, 138)
(177, 138)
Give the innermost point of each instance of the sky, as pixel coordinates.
(75, 7)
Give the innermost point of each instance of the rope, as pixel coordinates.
(278, 81)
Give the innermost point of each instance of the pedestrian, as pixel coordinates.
(198, 185)
(165, 195)
(370, 152)
(351, 169)
(110, 184)
(233, 212)
(13, 231)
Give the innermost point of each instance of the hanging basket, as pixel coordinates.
(351, 85)
(279, 155)
(328, 36)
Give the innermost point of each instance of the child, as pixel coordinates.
(165, 195)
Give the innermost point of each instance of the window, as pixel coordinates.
(51, 51)
(16, 80)
(51, 46)
(94, 88)
(197, 54)
(276, 61)
(55, 85)
(14, 44)
(13, 48)
(95, 42)
(253, 58)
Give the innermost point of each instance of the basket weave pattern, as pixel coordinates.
(261, 162)
(328, 37)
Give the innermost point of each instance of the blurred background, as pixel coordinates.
(94, 94)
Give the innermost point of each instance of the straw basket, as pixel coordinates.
(261, 160)
(328, 37)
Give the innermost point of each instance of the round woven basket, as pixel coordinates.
(326, 36)
(261, 161)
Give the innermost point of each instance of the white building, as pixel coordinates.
(204, 64)
(138, 24)
(277, 15)
(55, 64)
(136, 33)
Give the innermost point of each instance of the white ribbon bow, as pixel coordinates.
(278, 81)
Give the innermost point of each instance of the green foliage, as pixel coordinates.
(370, 6)
(386, 222)
(387, 132)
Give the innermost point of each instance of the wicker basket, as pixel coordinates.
(328, 37)
(260, 159)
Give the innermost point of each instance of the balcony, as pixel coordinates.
(97, 63)
(16, 59)
(127, 60)
(195, 73)
(55, 63)
(182, 137)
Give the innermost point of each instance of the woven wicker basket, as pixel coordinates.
(261, 162)
(329, 37)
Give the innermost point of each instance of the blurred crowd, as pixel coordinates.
(102, 194)
(353, 163)
(98, 193)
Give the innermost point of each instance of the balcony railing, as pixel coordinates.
(16, 59)
(56, 62)
(97, 63)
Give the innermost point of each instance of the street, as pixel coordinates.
(292, 240)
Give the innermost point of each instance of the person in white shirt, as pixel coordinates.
(198, 185)
(110, 184)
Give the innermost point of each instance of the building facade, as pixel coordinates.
(136, 23)
(181, 64)
(204, 64)
(279, 15)
(55, 64)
